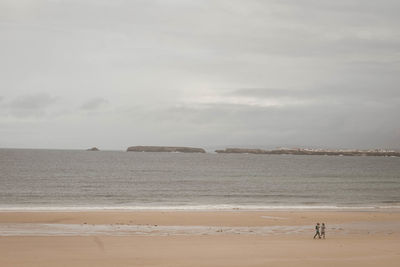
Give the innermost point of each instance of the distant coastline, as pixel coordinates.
(258, 151)
(300, 151)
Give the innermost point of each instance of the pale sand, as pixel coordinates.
(357, 239)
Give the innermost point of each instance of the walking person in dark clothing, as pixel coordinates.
(323, 230)
(317, 231)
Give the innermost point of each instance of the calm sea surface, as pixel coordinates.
(47, 179)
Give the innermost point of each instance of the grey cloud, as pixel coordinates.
(360, 7)
(94, 103)
(266, 92)
(30, 105)
(32, 102)
(324, 125)
(335, 63)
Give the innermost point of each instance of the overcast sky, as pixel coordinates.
(111, 74)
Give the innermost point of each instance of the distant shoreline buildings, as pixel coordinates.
(308, 151)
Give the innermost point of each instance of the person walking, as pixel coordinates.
(317, 231)
(323, 230)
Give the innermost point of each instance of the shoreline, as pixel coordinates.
(199, 218)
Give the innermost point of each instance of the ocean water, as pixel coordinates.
(61, 179)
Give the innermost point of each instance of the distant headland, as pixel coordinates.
(258, 151)
(165, 149)
(301, 151)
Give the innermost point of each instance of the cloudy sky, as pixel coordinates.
(82, 73)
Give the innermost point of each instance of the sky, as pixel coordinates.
(209, 73)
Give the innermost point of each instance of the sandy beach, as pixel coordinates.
(194, 238)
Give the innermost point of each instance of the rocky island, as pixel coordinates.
(299, 151)
(165, 149)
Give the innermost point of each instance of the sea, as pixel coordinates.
(86, 180)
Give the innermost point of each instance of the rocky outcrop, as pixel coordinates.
(165, 149)
(93, 149)
(311, 152)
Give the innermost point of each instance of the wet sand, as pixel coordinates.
(246, 238)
